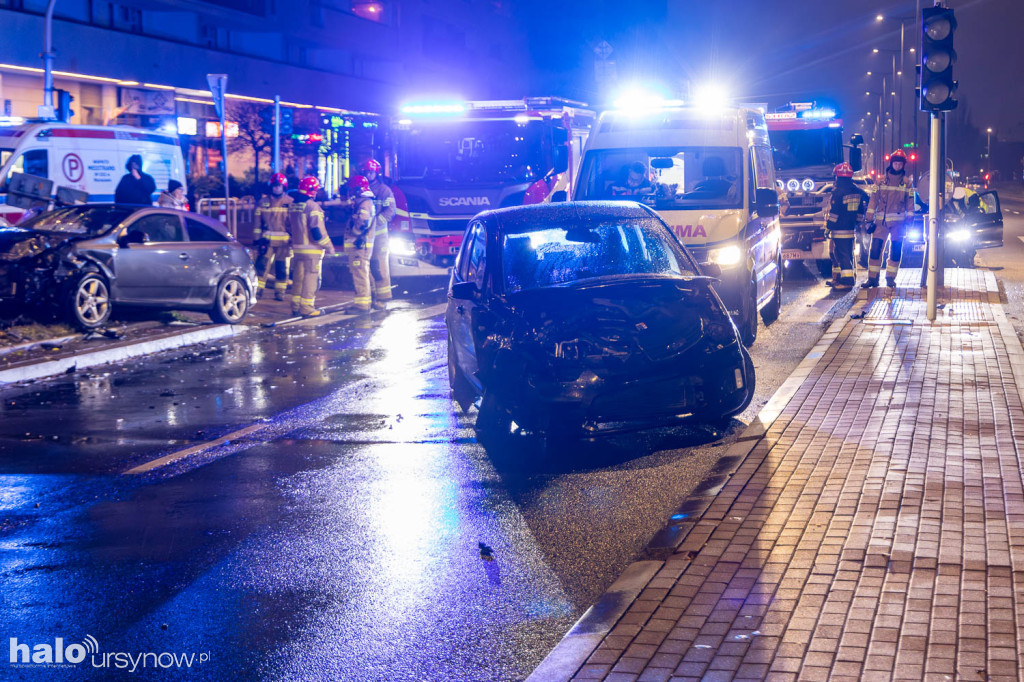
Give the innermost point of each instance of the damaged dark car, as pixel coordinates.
(79, 262)
(585, 318)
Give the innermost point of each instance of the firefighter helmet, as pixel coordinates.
(843, 170)
(370, 165)
(898, 155)
(278, 179)
(309, 185)
(358, 183)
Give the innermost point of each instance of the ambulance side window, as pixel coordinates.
(33, 162)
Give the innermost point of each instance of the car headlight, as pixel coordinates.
(780, 183)
(402, 246)
(914, 235)
(793, 185)
(959, 235)
(807, 185)
(725, 255)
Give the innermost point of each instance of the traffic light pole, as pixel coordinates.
(277, 133)
(935, 175)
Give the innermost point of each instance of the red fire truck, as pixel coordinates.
(807, 143)
(455, 159)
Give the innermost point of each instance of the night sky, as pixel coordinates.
(782, 50)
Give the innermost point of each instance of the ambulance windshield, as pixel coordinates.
(666, 178)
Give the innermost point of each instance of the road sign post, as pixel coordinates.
(218, 83)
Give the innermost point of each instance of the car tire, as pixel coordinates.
(88, 301)
(770, 312)
(825, 268)
(232, 302)
(461, 390)
(747, 322)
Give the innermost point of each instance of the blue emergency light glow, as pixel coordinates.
(434, 108)
(818, 114)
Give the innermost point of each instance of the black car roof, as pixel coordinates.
(516, 218)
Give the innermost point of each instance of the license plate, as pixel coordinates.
(795, 254)
(408, 262)
(918, 247)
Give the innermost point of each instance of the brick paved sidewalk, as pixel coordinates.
(875, 531)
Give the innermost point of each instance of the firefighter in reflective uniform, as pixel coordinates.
(271, 234)
(309, 243)
(359, 235)
(384, 203)
(891, 206)
(846, 207)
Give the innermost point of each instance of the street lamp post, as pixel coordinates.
(47, 110)
(988, 149)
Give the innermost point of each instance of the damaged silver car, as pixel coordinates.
(588, 317)
(81, 261)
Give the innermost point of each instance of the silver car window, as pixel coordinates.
(160, 228)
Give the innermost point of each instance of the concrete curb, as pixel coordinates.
(49, 368)
(579, 643)
(596, 622)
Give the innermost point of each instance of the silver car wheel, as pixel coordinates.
(233, 300)
(92, 300)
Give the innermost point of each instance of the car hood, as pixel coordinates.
(17, 243)
(618, 322)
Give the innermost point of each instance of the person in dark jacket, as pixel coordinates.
(135, 187)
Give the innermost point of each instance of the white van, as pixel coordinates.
(710, 175)
(87, 158)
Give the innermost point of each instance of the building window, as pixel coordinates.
(214, 36)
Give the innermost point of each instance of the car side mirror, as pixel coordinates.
(464, 291)
(559, 196)
(133, 237)
(857, 140)
(856, 159)
(561, 160)
(711, 270)
(766, 203)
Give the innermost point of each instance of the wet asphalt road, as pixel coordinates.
(355, 531)
(1007, 263)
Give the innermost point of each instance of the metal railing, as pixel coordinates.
(237, 213)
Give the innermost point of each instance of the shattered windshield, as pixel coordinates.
(547, 256)
(794, 149)
(94, 220)
(471, 151)
(666, 178)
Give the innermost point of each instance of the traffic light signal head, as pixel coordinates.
(913, 157)
(64, 110)
(937, 58)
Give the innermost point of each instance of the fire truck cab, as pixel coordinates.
(807, 143)
(455, 159)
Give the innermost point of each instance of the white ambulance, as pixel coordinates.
(86, 158)
(709, 174)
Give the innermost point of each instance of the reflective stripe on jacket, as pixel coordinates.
(306, 227)
(892, 201)
(272, 216)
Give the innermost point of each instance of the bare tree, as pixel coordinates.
(251, 134)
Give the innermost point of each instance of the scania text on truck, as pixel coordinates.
(709, 173)
(456, 159)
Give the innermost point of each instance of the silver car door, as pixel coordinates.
(154, 271)
(209, 258)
